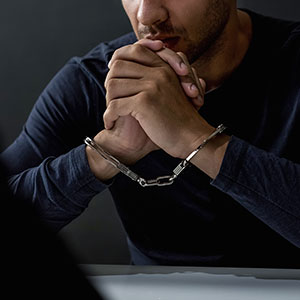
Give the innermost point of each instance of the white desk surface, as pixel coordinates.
(121, 282)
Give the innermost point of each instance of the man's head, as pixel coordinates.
(189, 26)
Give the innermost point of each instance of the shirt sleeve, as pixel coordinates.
(265, 184)
(47, 163)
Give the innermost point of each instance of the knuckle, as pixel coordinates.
(106, 116)
(115, 55)
(108, 97)
(110, 91)
(111, 84)
(164, 73)
(151, 86)
(120, 52)
(112, 106)
(138, 48)
(105, 82)
(116, 65)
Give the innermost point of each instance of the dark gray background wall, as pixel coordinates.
(37, 38)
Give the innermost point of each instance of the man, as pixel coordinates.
(238, 204)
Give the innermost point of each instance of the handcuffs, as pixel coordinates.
(159, 181)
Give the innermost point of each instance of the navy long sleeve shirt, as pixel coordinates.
(248, 216)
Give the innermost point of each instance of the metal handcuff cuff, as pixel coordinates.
(159, 181)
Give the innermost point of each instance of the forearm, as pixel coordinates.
(267, 185)
(59, 188)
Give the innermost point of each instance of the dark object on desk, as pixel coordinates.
(37, 265)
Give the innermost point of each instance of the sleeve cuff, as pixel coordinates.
(87, 183)
(84, 172)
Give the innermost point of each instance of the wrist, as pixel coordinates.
(118, 148)
(210, 158)
(99, 166)
(103, 169)
(193, 138)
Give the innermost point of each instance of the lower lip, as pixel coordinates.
(171, 42)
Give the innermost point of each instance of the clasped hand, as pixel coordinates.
(152, 102)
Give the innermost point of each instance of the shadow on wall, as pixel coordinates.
(37, 39)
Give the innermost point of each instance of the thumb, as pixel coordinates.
(155, 45)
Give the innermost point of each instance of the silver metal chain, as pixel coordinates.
(159, 181)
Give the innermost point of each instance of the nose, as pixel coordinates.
(152, 12)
